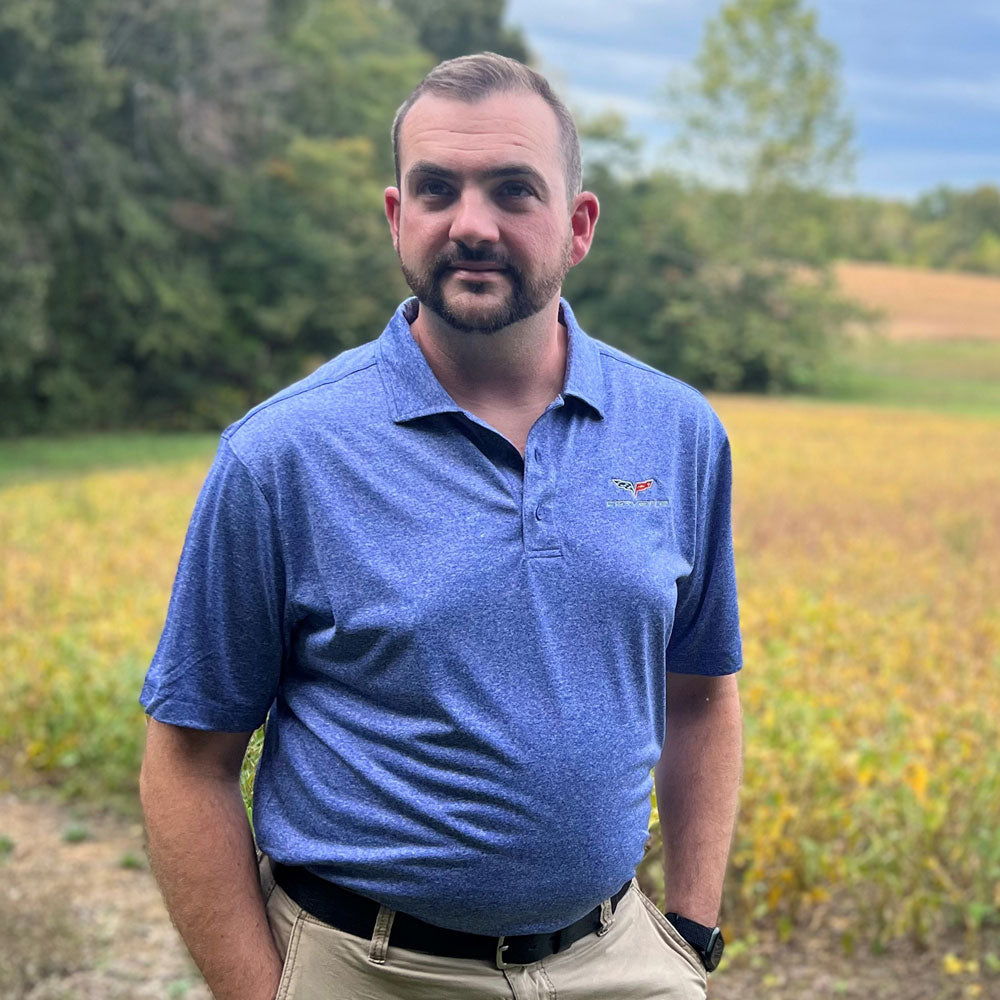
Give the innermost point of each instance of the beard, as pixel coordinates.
(525, 297)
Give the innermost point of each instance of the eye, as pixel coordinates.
(432, 187)
(515, 190)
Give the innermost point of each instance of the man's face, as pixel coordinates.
(481, 221)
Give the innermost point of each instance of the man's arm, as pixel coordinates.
(697, 790)
(202, 853)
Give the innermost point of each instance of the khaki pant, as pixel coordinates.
(640, 956)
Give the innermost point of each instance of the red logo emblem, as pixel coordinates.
(633, 488)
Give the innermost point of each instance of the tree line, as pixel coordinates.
(190, 198)
(944, 228)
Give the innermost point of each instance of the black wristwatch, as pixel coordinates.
(706, 941)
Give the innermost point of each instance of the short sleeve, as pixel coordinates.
(218, 662)
(706, 633)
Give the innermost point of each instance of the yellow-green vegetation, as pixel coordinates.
(869, 553)
(88, 562)
(869, 564)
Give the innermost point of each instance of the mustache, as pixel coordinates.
(463, 254)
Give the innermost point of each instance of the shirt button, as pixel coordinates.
(538, 454)
(540, 513)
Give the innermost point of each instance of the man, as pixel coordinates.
(477, 575)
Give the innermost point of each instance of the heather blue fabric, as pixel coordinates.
(463, 654)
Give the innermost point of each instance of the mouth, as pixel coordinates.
(475, 271)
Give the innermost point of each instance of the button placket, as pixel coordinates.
(540, 536)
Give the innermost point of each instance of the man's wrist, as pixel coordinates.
(694, 909)
(706, 941)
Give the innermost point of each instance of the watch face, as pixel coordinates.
(713, 953)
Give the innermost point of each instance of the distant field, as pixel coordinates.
(936, 347)
(921, 304)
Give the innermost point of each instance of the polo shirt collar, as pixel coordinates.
(414, 390)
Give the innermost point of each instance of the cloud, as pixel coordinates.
(918, 79)
(622, 69)
(591, 100)
(573, 18)
(979, 93)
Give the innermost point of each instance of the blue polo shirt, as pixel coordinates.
(461, 654)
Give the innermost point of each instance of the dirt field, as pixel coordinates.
(81, 919)
(926, 305)
(80, 915)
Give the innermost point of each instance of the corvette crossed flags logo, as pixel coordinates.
(633, 488)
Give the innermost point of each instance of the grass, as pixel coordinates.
(938, 345)
(960, 377)
(76, 833)
(131, 861)
(32, 458)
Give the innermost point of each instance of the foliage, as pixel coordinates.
(655, 286)
(867, 549)
(190, 195)
(192, 221)
(958, 230)
(712, 292)
(868, 545)
(944, 228)
(608, 149)
(450, 28)
(762, 113)
(80, 610)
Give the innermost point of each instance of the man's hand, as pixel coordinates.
(697, 790)
(202, 853)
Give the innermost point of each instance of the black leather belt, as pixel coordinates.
(355, 914)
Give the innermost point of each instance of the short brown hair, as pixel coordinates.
(473, 78)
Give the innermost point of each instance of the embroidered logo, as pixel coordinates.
(633, 489)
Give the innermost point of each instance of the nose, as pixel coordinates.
(473, 223)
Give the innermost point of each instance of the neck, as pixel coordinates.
(521, 368)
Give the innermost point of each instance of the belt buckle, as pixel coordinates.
(501, 948)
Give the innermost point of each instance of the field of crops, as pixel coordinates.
(921, 304)
(869, 568)
(936, 344)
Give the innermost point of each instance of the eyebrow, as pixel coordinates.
(427, 169)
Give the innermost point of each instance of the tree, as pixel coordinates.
(450, 28)
(705, 281)
(191, 201)
(960, 229)
(761, 113)
(653, 286)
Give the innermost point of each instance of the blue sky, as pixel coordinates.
(921, 79)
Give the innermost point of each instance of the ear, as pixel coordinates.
(392, 213)
(583, 220)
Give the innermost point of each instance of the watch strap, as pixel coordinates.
(706, 941)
